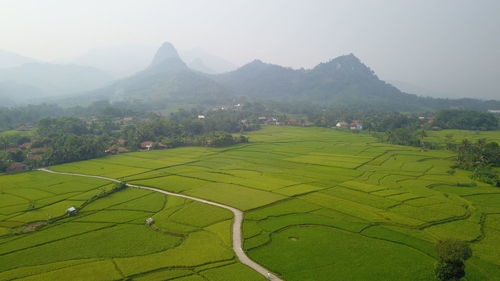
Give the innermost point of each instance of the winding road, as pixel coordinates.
(238, 220)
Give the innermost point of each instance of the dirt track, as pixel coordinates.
(237, 222)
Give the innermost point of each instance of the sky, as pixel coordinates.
(449, 47)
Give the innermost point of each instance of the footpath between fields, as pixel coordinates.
(237, 222)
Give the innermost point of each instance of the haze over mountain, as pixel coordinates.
(415, 89)
(199, 65)
(450, 49)
(166, 79)
(125, 60)
(9, 59)
(343, 81)
(119, 61)
(31, 82)
(201, 60)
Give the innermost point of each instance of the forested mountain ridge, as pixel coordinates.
(166, 79)
(343, 82)
(34, 81)
(10, 59)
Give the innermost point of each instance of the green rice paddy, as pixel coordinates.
(320, 205)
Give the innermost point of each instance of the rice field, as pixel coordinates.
(108, 238)
(320, 205)
(458, 135)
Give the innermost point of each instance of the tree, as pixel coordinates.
(4, 143)
(451, 254)
(448, 140)
(422, 134)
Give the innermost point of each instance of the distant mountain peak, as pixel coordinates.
(256, 64)
(345, 65)
(167, 51)
(198, 65)
(9, 59)
(256, 61)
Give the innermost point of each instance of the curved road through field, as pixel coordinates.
(238, 219)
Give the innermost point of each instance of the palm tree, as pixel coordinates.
(422, 134)
(4, 142)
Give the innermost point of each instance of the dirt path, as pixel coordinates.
(238, 220)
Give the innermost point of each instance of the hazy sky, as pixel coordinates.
(447, 46)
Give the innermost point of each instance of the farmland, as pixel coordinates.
(318, 203)
(458, 135)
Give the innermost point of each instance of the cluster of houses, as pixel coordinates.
(24, 127)
(274, 121)
(119, 147)
(32, 154)
(354, 125)
(16, 167)
(233, 107)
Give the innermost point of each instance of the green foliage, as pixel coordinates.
(449, 270)
(480, 157)
(465, 120)
(451, 254)
(453, 250)
(68, 148)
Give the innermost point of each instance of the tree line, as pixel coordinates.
(68, 139)
(481, 158)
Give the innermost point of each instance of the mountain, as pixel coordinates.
(9, 59)
(214, 63)
(343, 81)
(45, 79)
(119, 61)
(166, 79)
(262, 80)
(12, 93)
(198, 65)
(166, 52)
(414, 89)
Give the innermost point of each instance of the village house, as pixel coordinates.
(161, 145)
(201, 117)
(34, 156)
(24, 127)
(116, 149)
(293, 122)
(25, 145)
(273, 121)
(13, 149)
(148, 145)
(37, 153)
(39, 150)
(341, 124)
(354, 125)
(122, 149)
(16, 167)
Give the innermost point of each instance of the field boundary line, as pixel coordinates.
(236, 229)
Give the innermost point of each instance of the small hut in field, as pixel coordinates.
(71, 211)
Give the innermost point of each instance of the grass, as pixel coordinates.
(319, 204)
(346, 256)
(459, 135)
